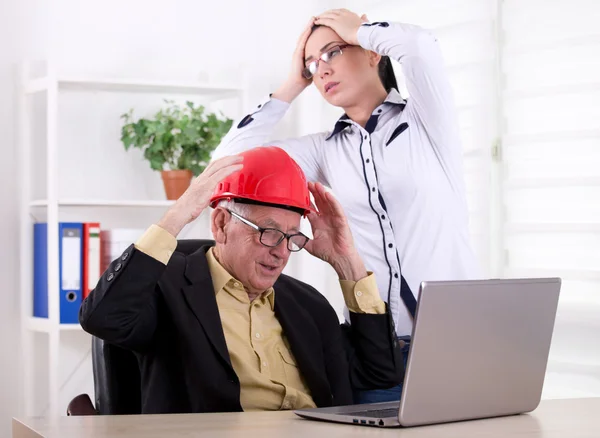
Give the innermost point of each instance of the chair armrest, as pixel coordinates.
(81, 405)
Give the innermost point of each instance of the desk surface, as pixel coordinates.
(573, 418)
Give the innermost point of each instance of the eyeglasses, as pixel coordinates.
(311, 68)
(272, 237)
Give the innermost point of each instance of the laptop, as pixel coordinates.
(479, 349)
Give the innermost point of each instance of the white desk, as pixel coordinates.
(574, 418)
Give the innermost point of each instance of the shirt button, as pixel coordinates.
(383, 216)
(264, 364)
(257, 335)
(366, 137)
(396, 275)
(286, 405)
(368, 160)
(118, 267)
(373, 189)
(125, 256)
(110, 276)
(391, 245)
(236, 284)
(358, 293)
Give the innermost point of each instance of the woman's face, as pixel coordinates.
(347, 76)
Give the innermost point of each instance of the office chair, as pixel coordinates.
(117, 385)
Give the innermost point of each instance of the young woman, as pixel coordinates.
(395, 165)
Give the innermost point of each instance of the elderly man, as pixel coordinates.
(223, 329)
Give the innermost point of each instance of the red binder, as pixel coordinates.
(91, 256)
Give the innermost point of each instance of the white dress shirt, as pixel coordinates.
(399, 179)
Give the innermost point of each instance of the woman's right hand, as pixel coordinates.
(295, 82)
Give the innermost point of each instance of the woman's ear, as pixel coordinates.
(218, 222)
(374, 58)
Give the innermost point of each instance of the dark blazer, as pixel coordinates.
(168, 316)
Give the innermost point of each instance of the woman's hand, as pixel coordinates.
(344, 22)
(296, 83)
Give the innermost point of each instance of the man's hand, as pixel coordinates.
(332, 239)
(195, 199)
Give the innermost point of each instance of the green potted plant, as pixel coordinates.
(178, 141)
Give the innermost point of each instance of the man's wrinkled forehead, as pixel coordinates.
(274, 217)
(273, 223)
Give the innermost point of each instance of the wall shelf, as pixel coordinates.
(43, 325)
(130, 86)
(43, 203)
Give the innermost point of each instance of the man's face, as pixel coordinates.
(245, 257)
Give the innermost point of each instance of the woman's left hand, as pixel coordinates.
(344, 22)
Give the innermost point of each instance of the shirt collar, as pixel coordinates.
(393, 98)
(221, 278)
(342, 123)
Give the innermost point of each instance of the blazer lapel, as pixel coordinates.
(305, 343)
(200, 297)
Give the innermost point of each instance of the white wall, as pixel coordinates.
(17, 19)
(10, 46)
(205, 40)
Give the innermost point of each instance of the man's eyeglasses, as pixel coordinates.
(272, 237)
(311, 68)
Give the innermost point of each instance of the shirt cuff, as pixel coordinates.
(362, 296)
(157, 243)
(271, 103)
(363, 35)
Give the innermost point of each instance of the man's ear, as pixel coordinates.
(218, 222)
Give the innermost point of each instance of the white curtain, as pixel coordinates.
(551, 184)
(526, 76)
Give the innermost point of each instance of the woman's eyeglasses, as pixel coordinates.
(272, 237)
(311, 68)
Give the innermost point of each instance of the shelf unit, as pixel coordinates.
(49, 83)
(52, 204)
(102, 203)
(43, 325)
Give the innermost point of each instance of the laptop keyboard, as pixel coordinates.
(380, 413)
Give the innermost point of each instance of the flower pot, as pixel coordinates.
(176, 182)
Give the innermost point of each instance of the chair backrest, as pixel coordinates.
(117, 381)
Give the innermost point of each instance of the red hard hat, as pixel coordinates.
(269, 176)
